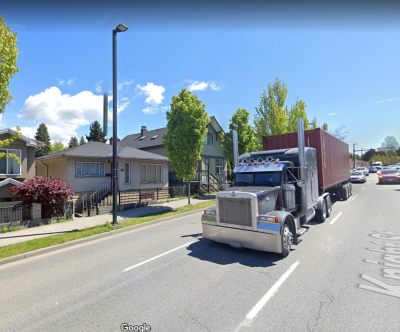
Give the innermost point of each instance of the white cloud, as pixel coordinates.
(386, 100)
(70, 81)
(214, 86)
(2, 124)
(155, 109)
(126, 83)
(63, 114)
(60, 81)
(98, 87)
(198, 86)
(153, 93)
(332, 113)
(201, 86)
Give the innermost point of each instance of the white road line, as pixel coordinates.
(363, 188)
(354, 197)
(257, 308)
(336, 218)
(373, 262)
(163, 254)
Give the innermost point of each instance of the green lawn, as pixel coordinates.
(35, 244)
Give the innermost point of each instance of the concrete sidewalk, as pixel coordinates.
(27, 234)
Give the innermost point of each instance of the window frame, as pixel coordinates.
(129, 170)
(7, 160)
(89, 175)
(146, 172)
(219, 166)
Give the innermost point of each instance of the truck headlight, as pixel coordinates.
(210, 212)
(273, 219)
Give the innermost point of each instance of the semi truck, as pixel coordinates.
(278, 190)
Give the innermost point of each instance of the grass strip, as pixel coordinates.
(23, 247)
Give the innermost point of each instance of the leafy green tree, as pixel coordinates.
(58, 146)
(42, 134)
(73, 142)
(82, 141)
(186, 127)
(246, 138)
(297, 111)
(8, 62)
(273, 117)
(314, 123)
(325, 127)
(96, 133)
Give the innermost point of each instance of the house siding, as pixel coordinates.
(27, 159)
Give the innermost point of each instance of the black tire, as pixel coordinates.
(328, 206)
(344, 192)
(287, 239)
(320, 215)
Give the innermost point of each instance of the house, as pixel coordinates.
(87, 169)
(211, 169)
(12, 173)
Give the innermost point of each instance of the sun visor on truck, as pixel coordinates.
(268, 167)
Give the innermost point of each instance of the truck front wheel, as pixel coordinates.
(321, 214)
(287, 239)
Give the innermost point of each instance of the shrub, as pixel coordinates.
(49, 192)
(4, 230)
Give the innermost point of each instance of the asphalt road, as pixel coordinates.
(169, 278)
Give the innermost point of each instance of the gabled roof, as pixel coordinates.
(101, 150)
(29, 141)
(10, 181)
(153, 138)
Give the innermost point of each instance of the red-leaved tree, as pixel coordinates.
(49, 192)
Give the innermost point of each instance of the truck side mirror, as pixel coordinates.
(300, 184)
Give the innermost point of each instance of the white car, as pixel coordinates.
(357, 176)
(363, 169)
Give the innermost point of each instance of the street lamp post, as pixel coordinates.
(119, 28)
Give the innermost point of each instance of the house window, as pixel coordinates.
(10, 166)
(219, 164)
(210, 139)
(89, 169)
(127, 173)
(151, 173)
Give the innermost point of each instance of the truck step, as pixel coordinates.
(301, 231)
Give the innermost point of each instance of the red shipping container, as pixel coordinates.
(332, 154)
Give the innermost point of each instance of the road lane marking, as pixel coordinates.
(373, 262)
(363, 188)
(257, 308)
(163, 254)
(336, 218)
(354, 197)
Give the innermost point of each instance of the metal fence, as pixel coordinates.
(143, 195)
(15, 213)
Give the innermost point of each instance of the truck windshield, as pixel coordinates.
(258, 179)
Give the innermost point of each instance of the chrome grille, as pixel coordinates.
(236, 211)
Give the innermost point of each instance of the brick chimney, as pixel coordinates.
(143, 131)
(118, 142)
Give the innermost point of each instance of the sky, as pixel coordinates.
(340, 58)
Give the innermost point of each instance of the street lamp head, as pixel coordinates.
(121, 27)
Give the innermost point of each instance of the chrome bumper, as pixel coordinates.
(267, 238)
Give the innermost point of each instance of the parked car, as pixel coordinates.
(389, 176)
(357, 176)
(363, 169)
(372, 169)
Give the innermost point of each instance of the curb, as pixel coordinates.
(56, 247)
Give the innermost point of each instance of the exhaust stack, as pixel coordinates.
(302, 163)
(235, 149)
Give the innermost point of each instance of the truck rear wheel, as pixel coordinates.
(344, 192)
(287, 239)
